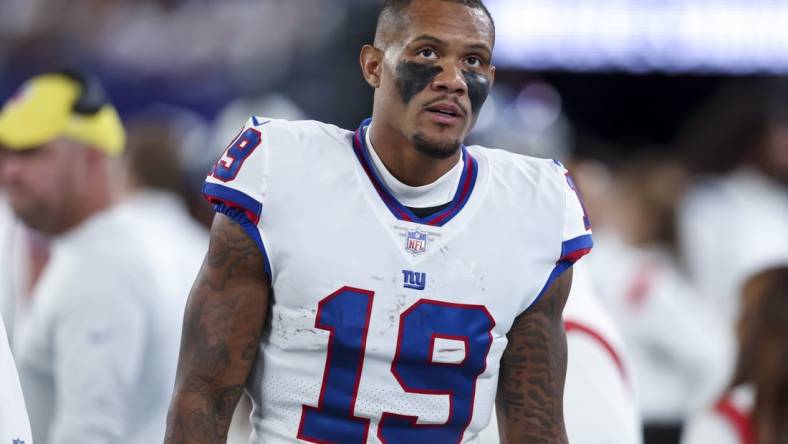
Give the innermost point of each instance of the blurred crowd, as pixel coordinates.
(691, 241)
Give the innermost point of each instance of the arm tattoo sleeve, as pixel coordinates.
(533, 369)
(222, 325)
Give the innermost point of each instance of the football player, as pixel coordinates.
(388, 284)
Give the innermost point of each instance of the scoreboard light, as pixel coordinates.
(672, 36)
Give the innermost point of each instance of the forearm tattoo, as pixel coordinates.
(533, 370)
(221, 332)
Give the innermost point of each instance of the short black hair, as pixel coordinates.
(391, 15)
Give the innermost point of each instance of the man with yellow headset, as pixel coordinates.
(96, 347)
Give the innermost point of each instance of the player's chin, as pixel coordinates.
(440, 146)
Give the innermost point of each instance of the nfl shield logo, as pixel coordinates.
(416, 242)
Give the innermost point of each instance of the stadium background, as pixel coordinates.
(202, 55)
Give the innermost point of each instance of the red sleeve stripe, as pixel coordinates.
(736, 418)
(577, 327)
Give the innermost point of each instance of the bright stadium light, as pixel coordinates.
(747, 36)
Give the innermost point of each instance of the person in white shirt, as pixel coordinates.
(673, 342)
(728, 421)
(14, 424)
(600, 397)
(755, 408)
(97, 347)
(733, 221)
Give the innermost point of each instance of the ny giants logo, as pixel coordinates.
(414, 280)
(416, 242)
(18, 441)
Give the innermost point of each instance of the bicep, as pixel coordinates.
(223, 321)
(227, 306)
(533, 369)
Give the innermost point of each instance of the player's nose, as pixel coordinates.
(450, 80)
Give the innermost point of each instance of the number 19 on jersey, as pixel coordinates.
(345, 314)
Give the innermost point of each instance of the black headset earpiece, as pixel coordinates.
(91, 96)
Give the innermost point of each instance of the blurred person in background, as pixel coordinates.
(600, 401)
(96, 348)
(599, 398)
(754, 410)
(14, 423)
(158, 185)
(734, 220)
(373, 238)
(637, 272)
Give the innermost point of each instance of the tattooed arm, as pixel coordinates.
(533, 368)
(221, 330)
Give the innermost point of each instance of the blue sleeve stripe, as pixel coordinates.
(241, 218)
(583, 242)
(215, 192)
(570, 252)
(559, 269)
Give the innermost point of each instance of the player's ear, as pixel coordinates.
(371, 60)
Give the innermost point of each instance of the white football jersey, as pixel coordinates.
(387, 327)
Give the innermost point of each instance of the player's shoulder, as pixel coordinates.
(298, 134)
(514, 168)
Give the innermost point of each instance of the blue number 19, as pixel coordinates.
(345, 314)
(239, 150)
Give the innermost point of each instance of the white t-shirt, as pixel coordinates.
(386, 326)
(431, 195)
(727, 422)
(98, 348)
(679, 349)
(600, 404)
(732, 227)
(14, 425)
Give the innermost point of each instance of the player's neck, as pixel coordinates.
(403, 161)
